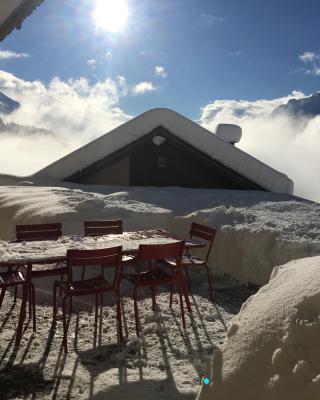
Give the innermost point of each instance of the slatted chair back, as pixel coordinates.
(154, 252)
(109, 257)
(99, 228)
(38, 232)
(205, 233)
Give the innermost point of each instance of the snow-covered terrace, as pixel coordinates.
(257, 231)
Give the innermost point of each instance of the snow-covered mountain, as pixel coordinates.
(17, 129)
(305, 107)
(7, 105)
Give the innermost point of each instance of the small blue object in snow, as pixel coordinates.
(206, 381)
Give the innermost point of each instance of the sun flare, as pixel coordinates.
(111, 15)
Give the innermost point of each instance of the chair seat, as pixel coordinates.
(11, 278)
(147, 277)
(86, 285)
(187, 259)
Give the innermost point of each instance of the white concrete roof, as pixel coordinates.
(185, 129)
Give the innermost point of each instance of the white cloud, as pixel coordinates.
(92, 63)
(210, 19)
(312, 60)
(236, 53)
(160, 71)
(143, 87)
(288, 144)
(308, 56)
(315, 70)
(7, 54)
(76, 111)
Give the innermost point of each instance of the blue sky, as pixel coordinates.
(215, 61)
(221, 49)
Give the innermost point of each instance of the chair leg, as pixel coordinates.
(184, 288)
(209, 283)
(119, 321)
(30, 302)
(96, 311)
(22, 314)
(136, 313)
(3, 291)
(188, 280)
(154, 304)
(15, 295)
(61, 280)
(82, 273)
(54, 316)
(182, 307)
(33, 305)
(171, 294)
(65, 325)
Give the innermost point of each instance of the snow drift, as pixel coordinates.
(272, 347)
(257, 230)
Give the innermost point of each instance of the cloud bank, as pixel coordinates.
(74, 111)
(288, 144)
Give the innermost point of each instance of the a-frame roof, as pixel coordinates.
(13, 13)
(183, 128)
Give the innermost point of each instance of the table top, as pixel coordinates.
(55, 250)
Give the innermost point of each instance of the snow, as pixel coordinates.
(267, 351)
(262, 229)
(271, 350)
(192, 133)
(165, 363)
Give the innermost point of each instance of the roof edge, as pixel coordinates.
(16, 18)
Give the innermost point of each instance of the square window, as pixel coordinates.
(162, 162)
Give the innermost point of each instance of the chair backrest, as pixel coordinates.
(154, 252)
(205, 233)
(109, 257)
(38, 232)
(99, 228)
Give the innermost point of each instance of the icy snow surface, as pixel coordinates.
(272, 348)
(257, 230)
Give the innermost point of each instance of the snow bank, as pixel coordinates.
(272, 348)
(257, 230)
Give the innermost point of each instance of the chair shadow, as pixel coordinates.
(145, 390)
(23, 380)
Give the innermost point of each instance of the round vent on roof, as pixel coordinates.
(229, 132)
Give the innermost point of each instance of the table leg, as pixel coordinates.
(22, 315)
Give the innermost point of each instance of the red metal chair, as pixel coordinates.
(105, 227)
(51, 231)
(13, 277)
(98, 285)
(99, 228)
(207, 234)
(152, 254)
(38, 232)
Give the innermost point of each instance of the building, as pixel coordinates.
(162, 148)
(13, 13)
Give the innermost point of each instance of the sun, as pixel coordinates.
(111, 15)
